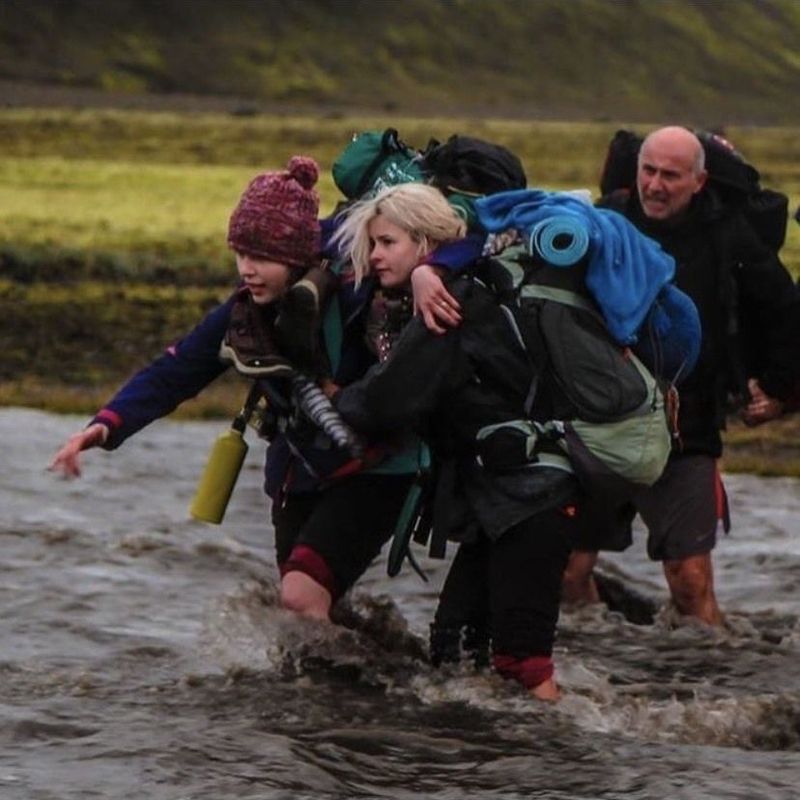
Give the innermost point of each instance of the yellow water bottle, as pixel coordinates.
(219, 477)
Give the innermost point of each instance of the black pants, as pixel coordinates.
(346, 524)
(508, 590)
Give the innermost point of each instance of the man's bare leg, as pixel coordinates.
(578, 586)
(691, 583)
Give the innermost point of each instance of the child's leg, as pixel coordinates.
(350, 523)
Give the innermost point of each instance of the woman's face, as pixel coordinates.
(393, 254)
(266, 280)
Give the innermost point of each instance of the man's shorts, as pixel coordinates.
(681, 511)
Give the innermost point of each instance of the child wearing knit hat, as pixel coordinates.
(274, 232)
(276, 218)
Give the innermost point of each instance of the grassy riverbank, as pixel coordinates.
(112, 235)
(147, 195)
(772, 449)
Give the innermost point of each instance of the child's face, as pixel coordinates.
(266, 280)
(393, 254)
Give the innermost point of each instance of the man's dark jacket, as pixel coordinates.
(749, 309)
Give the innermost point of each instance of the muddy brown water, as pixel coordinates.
(143, 655)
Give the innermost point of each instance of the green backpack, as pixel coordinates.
(374, 160)
(606, 417)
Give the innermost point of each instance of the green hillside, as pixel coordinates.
(704, 62)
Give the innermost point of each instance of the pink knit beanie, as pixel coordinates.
(277, 216)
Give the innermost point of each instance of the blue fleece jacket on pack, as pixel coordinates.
(626, 270)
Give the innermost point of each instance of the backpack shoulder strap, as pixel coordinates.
(535, 291)
(332, 323)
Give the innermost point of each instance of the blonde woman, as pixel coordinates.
(516, 525)
(333, 535)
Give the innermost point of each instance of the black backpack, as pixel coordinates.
(473, 166)
(737, 182)
(465, 168)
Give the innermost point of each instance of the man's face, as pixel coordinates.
(666, 178)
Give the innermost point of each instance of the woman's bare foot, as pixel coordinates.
(547, 690)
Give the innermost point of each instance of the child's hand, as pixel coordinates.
(67, 460)
(439, 309)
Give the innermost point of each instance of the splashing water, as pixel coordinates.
(146, 655)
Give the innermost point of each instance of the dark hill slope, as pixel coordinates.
(705, 61)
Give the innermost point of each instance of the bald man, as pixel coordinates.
(738, 284)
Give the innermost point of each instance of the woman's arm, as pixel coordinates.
(437, 307)
(67, 460)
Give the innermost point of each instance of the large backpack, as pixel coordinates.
(374, 160)
(592, 400)
(737, 182)
(465, 168)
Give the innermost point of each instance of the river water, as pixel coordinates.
(142, 655)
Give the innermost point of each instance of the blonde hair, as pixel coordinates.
(417, 208)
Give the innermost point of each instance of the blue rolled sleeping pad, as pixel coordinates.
(561, 240)
(668, 341)
(625, 269)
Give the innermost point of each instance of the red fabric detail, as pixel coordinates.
(719, 494)
(350, 467)
(371, 457)
(109, 418)
(308, 561)
(721, 500)
(569, 511)
(530, 671)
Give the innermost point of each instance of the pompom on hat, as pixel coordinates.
(277, 216)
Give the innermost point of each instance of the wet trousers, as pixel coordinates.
(507, 592)
(334, 534)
